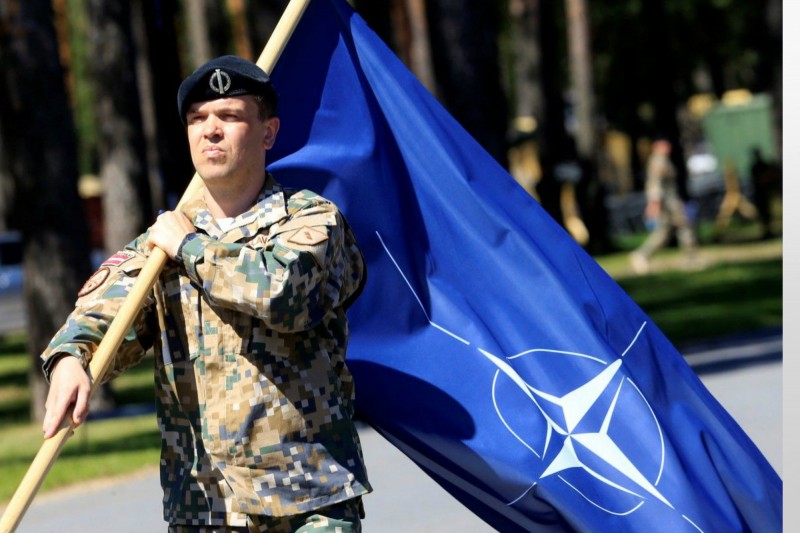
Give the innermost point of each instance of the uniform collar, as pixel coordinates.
(269, 208)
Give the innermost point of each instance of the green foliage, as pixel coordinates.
(713, 36)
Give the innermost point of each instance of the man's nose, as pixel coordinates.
(211, 127)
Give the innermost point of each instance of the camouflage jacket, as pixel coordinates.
(662, 179)
(254, 400)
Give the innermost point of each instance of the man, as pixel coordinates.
(254, 400)
(665, 211)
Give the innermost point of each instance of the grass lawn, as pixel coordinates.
(738, 289)
(99, 448)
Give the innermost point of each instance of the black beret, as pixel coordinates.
(223, 77)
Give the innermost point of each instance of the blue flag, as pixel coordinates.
(487, 345)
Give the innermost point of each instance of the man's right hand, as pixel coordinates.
(69, 393)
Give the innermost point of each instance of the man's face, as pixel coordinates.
(662, 147)
(227, 139)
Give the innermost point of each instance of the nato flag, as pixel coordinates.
(487, 345)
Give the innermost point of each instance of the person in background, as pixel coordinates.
(766, 188)
(734, 202)
(665, 211)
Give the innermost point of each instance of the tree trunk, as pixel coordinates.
(378, 16)
(661, 85)
(121, 145)
(527, 105)
(525, 28)
(590, 191)
(199, 45)
(543, 95)
(262, 16)
(239, 30)
(38, 133)
(419, 60)
(581, 74)
(6, 190)
(149, 121)
(208, 29)
(166, 74)
(774, 75)
(121, 148)
(464, 41)
(403, 26)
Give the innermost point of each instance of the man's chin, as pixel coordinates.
(211, 173)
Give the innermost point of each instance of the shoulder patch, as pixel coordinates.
(307, 236)
(118, 258)
(94, 281)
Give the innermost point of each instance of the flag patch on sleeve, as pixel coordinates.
(118, 258)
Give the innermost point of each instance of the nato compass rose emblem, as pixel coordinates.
(577, 427)
(584, 437)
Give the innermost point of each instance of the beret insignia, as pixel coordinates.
(219, 81)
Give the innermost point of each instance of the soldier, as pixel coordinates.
(254, 400)
(665, 211)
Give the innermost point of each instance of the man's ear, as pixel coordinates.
(273, 124)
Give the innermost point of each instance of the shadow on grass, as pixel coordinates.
(147, 439)
(18, 378)
(135, 394)
(13, 347)
(83, 444)
(13, 344)
(721, 300)
(15, 411)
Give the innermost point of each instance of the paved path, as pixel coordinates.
(405, 499)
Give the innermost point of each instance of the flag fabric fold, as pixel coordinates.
(487, 345)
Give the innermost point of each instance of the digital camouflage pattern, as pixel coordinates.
(254, 400)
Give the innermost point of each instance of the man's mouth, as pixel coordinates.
(212, 151)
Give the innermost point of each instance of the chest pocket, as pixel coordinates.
(181, 330)
(223, 331)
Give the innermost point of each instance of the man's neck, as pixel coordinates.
(226, 202)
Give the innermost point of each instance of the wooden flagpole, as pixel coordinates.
(104, 355)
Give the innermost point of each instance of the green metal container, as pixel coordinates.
(734, 130)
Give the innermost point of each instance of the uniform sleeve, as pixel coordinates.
(290, 276)
(99, 301)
